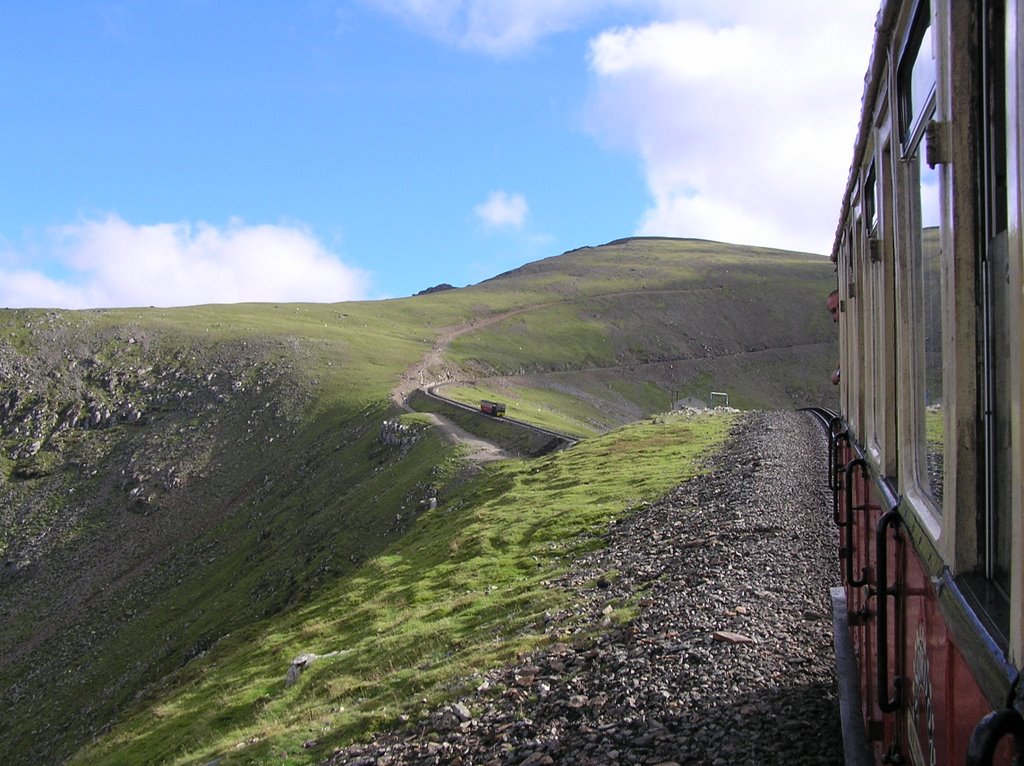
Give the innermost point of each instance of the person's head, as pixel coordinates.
(832, 304)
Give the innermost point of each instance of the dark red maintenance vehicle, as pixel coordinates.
(497, 409)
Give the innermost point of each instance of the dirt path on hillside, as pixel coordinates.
(419, 374)
(432, 369)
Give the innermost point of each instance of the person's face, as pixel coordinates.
(833, 306)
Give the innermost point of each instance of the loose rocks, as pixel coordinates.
(729, 659)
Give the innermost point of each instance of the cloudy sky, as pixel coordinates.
(199, 151)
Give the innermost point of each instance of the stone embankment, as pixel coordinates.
(728, 659)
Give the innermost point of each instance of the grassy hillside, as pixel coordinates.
(642, 324)
(462, 591)
(190, 498)
(211, 479)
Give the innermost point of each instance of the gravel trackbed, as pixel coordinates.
(728, 660)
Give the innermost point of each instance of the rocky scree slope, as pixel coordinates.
(143, 512)
(109, 446)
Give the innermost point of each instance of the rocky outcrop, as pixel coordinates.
(435, 289)
(121, 451)
(396, 433)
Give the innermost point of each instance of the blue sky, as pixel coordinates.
(195, 151)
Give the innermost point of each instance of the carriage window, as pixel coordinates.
(916, 74)
(873, 328)
(989, 582)
(871, 200)
(848, 343)
(916, 89)
(883, 284)
(873, 341)
(930, 315)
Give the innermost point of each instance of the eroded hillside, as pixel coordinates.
(158, 490)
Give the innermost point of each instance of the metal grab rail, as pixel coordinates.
(847, 524)
(836, 430)
(833, 463)
(990, 731)
(890, 518)
(994, 728)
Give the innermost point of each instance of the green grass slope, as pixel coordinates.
(173, 476)
(641, 324)
(190, 498)
(465, 589)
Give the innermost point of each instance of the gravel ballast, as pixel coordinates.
(728, 659)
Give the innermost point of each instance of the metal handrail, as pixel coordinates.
(833, 461)
(882, 591)
(847, 524)
(833, 454)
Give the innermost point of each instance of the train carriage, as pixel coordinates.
(927, 455)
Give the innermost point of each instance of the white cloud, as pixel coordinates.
(496, 27)
(109, 262)
(744, 128)
(503, 210)
(741, 112)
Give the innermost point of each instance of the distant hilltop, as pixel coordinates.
(436, 289)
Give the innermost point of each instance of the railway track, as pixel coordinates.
(567, 441)
(822, 415)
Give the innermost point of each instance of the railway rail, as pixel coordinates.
(567, 441)
(822, 415)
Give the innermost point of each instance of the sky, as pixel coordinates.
(182, 152)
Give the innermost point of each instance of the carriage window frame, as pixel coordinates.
(871, 199)
(850, 366)
(916, 101)
(879, 193)
(995, 549)
(865, 225)
(916, 81)
(873, 417)
(848, 324)
(854, 318)
(928, 332)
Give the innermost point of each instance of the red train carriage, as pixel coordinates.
(927, 455)
(497, 409)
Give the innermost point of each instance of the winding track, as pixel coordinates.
(433, 394)
(432, 371)
(419, 374)
(417, 377)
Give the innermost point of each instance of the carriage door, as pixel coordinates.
(995, 474)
